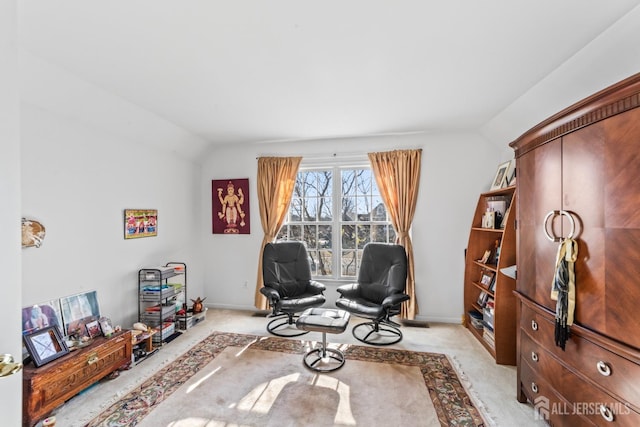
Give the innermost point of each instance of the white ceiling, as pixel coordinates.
(256, 71)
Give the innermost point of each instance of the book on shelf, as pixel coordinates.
(492, 286)
(476, 319)
(474, 314)
(488, 337)
(489, 333)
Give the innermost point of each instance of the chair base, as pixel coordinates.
(324, 359)
(284, 326)
(376, 333)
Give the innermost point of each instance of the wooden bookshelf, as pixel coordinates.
(501, 344)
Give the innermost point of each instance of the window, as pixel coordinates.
(336, 211)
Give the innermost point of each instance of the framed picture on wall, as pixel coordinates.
(230, 206)
(140, 223)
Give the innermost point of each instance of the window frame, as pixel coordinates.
(336, 248)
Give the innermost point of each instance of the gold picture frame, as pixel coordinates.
(140, 223)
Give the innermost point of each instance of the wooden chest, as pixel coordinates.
(49, 386)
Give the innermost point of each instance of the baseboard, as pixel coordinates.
(415, 323)
(238, 308)
(438, 319)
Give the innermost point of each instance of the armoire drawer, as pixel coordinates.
(596, 405)
(619, 376)
(548, 404)
(545, 378)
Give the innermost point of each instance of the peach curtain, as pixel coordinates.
(398, 176)
(276, 179)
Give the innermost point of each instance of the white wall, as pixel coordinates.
(612, 56)
(10, 337)
(77, 178)
(455, 169)
(88, 154)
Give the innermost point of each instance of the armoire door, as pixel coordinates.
(600, 172)
(583, 183)
(539, 192)
(622, 227)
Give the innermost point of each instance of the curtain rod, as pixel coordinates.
(346, 156)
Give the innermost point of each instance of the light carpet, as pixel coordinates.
(247, 380)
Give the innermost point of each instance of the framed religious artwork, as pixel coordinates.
(140, 223)
(39, 316)
(45, 345)
(230, 206)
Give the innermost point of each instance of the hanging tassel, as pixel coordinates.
(563, 290)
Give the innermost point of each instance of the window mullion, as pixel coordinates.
(337, 222)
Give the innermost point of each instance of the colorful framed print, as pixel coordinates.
(140, 223)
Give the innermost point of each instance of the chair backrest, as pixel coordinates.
(383, 271)
(286, 268)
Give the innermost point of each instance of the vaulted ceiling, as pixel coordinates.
(255, 71)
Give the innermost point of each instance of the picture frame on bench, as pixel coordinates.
(77, 311)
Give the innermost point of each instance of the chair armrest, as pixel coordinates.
(317, 286)
(394, 299)
(270, 293)
(349, 291)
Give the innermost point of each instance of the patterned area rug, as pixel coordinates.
(450, 399)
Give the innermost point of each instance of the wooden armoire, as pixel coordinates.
(578, 174)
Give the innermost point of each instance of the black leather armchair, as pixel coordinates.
(288, 286)
(378, 294)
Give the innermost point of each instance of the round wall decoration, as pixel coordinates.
(32, 233)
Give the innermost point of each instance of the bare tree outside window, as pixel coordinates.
(319, 207)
